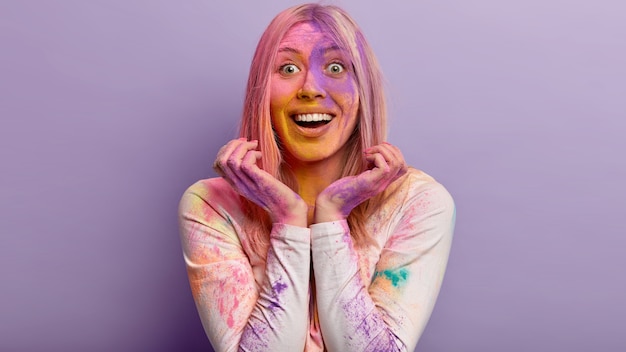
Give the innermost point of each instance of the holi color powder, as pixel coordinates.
(277, 289)
(396, 277)
(254, 337)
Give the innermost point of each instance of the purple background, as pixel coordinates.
(110, 109)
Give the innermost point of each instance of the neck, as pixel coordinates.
(312, 177)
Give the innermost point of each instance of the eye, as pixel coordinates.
(289, 69)
(335, 68)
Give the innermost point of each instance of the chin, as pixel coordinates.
(311, 154)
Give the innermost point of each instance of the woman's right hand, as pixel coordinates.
(236, 162)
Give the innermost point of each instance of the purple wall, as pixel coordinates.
(110, 109)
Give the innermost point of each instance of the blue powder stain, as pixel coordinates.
(397, 277)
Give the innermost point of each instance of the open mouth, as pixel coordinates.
(312, 120)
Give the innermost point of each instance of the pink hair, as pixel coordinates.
(256, 120)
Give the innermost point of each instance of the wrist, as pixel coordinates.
(295, 215)
(327, 211)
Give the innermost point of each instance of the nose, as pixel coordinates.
(312, 87)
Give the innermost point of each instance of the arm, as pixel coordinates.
(392, 312)
(236, 312)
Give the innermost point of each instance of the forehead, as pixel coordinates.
(306, 33)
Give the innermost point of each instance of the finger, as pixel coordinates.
(381, 168)
(236, 156)
(393, 156)
(395, 151)
(250, 175)
(400, 163)
(261, 179)
(266, 190)
(224, 153)
(232, 169)
(385, 151)
(398, 156)
(249, 166)
(232, 154)
(382, 174)
(230, 172)
(228, 148)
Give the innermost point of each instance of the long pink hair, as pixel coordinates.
(256, 120)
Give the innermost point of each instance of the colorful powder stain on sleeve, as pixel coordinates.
(397, 277)
(277, 289)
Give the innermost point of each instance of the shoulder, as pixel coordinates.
(426, 186)
(207, 216)
(417, 184)
(214, 193)
(417, 198)
(421, 213)
(209, 187)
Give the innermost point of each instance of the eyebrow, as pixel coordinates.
(289, 49)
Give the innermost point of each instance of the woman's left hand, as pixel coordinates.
(339, 198)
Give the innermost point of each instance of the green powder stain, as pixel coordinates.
(397, 277)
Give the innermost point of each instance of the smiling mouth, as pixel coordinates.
(312, 120)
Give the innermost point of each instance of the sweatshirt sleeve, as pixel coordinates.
(392, 312)
(236, 312)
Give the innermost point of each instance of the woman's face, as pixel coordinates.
(313, 95)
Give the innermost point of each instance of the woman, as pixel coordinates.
(317, 236)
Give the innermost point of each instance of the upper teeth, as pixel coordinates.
(313, 117)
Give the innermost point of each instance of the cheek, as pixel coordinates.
(278, 94)
(346, 95)
(348, 99)
(278, 100)
(281, 92)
